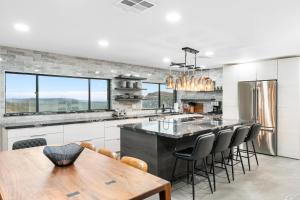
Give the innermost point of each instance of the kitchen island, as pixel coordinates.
(154, 142)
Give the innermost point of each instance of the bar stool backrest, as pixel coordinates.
(222, 141)
(239, 136)
(203, 146)
(23, 144)
(253, 132)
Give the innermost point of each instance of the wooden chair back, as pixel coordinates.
(88, 146)
(134, 162)
(108, 153)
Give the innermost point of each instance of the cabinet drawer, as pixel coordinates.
(52, 139)
(98, 143)
(81, 132)
(12, 133)
(113, 145)
(112, 133)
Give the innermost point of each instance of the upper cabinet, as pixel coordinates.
(247, 72)
(266, 70)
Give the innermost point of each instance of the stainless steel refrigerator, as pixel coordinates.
(257, 101)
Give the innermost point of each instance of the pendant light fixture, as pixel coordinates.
(188, 80)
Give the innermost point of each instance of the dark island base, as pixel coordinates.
(156, 151)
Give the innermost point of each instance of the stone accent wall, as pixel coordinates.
(30, 61)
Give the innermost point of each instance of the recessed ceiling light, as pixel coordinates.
(36, 70)
(103, 43)
(166, 60)
(21, 27)
(1, 59)
(209, 53)
(173, 17)
(97, 72)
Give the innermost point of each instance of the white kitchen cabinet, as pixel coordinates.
(247, 72)
(113, 145)
(52, 134)
(266, 70)
(289, 107)
(112, 132)
(51, 138)
(83, 132)
(97, 142)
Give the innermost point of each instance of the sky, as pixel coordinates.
(23, 86)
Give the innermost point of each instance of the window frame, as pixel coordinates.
(159, 96)
(62, 76)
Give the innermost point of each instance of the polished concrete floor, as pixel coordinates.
(275, 179)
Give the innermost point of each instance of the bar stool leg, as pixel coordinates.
(248, 157)
(187, 172)
(255, 153)
(173, 171)
(193, 181)
(232, 169)
(223, 160)
(239, 153)
(206, 172)
(213, 168)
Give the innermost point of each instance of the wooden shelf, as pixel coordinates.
(119, 99)
(130, 89)
(130, 78)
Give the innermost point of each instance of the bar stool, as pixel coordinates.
(201, 149)
(252, 135)
(238, 138)
(221, 144)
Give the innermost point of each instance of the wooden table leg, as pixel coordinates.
(166, 193)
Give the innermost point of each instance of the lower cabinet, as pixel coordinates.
(52, 139)
(98, 142)
(113, 145)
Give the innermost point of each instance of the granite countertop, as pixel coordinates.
(16, 125)
(182, 127)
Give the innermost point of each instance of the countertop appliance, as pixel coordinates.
(257, 101)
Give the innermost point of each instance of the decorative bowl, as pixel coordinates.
(63, 155)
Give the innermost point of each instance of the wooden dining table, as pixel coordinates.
(28, 174)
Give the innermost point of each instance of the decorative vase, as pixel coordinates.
(63, 155)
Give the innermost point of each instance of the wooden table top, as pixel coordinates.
(28, 174)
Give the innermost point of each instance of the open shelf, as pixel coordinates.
(119, 99)
(130, 89)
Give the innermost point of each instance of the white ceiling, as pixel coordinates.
(236, 30)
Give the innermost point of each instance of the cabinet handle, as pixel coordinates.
(42, 135)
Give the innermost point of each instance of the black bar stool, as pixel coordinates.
(238, 138)
(221, 144)
(201, 149)
(252, 135)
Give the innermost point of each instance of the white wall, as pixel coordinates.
(287, 72)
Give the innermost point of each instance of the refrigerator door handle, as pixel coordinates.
(256, 104)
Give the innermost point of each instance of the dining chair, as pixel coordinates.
(22, 144)
(108, 153)
(88, 146)
(136, 163)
